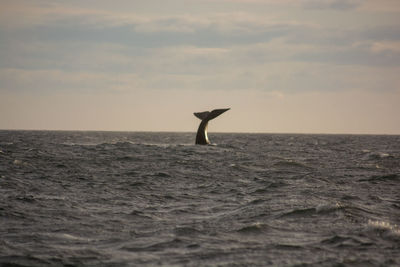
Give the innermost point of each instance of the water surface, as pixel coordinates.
(129, 199)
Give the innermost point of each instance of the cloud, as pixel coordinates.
(386, 46)
(212, 31)
(307, 4)
(56, 80)
(332, 4)
(351, 56)
(386, 6)
(226, 51)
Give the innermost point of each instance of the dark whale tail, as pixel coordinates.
(205, 117)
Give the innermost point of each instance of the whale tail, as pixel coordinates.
(205, 117)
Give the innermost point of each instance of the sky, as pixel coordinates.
(282, 66)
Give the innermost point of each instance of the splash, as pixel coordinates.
(393, 228)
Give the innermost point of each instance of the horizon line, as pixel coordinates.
(217, 132)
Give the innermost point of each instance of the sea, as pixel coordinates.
(77, 198)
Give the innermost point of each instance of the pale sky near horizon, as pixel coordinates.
(282, 66)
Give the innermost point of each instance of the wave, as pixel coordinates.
(287, 247)
(341, 241)
(22, 261)
(254, 228)
(299, 213)
(325, 209)
(382, 178)
(270, 186)
(137, 214)
(186, 231)
(291, 164)
(123, 144)
(379, 155)
(386, 228)
(156, 246)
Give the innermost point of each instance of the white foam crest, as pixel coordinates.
(68, 236)
(73, 237)
(326, 207)
(80, 144)
(394, 228)
(6, 143)
(17, 162)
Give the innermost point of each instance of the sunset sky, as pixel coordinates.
(282, 66)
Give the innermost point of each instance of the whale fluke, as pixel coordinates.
(205, 117)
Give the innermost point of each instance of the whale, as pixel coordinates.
(205, 117)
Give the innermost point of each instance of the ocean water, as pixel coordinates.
(156, 199)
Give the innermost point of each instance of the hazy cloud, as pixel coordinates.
(332, 4)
